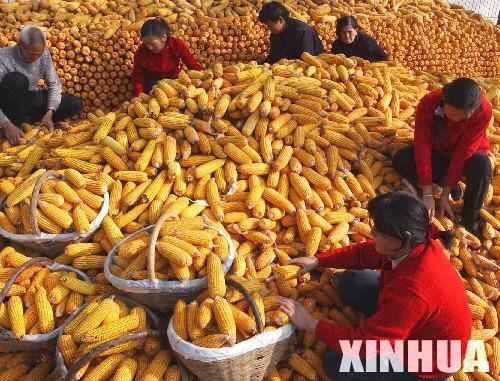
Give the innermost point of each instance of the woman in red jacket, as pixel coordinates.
(159, 56)
(418, 295)
(450, 142)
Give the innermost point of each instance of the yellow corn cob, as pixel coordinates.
(68, 348)
(113, 159)
(301, 366)
(215, 340)
(44, 311)
(128, 367)
(224, 318)
(15, 314)
(180, 319)
(24, 190)
(34, 156)
(145, 157)
(111, 330)
(215, 276)
(79, 286)
(158, 366)
(105, 369)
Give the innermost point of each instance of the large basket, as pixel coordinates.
(52, 245)
(250, 360)
(8, 343)
(155, 293)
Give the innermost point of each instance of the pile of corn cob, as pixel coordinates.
(40, 300)
(62, 206)
(93, 42)
(103, 320)
(286, 157)
(183, 247)
(26, 366)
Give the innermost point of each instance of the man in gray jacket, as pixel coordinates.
(21, 99)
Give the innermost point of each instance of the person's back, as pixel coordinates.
(433, 279)
(289, 37)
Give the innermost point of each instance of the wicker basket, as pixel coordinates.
(155, 293)
(250, 360)
(51, 245)
(33, 342)
(63, 373)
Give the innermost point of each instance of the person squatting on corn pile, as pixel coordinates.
(21, 100)
(451, 142)
(289, 37)
(352, 42)
(159, 56)
(417, 295)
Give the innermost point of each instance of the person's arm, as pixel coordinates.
(468, 145)
(138, 74)
(423, 142)
(271, 57)
(307, 42)
(376, 52)
(53, 84)
(359, 256)
(399, 311)
(3, 118)
(336, 47)
(187, 57)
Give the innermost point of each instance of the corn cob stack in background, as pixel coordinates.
(284, 158)
(93, 42)
(40, 300)
(26, 366)
(99, 322)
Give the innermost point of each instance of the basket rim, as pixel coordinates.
(157, 286)
(190, 351)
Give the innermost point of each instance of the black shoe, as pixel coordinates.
(457, 193)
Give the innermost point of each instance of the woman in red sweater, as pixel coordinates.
(450, 142)
(417, 295)
(159, 56)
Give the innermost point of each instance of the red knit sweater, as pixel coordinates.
(165, 64)
(460, 140)
(422, 298)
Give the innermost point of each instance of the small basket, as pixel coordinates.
(155, 293)
(250, 360)
(62, 373)
(8, 343)
(52, 245)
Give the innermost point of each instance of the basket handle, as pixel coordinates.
(34, 198)
(251, 303)
(152, 243)
(108, 345)
(20, 269)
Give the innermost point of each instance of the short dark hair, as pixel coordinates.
(345, 21)
(157, 27)
(463, 93)
(397, 214)
(272, 11)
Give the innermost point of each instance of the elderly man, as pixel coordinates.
(21, 100)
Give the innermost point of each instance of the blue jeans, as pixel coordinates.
(360, 289)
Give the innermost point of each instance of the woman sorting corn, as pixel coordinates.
(451, 142)
(417, 295)
(159, 56)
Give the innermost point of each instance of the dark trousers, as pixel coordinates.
(23, 106)
(360, 289)
(148, 85)
(477, 171)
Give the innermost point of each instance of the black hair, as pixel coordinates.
(464, 94)
(399, 214)
(345, 21)
(157, 27)
(272, 11)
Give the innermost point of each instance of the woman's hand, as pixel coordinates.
(12, 133)
(299, 316)
(307, 264)
(47, 120)
(430, 204)
(444, 205)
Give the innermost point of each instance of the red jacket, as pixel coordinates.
(460, 140)
(423, 298)
(165, 64)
